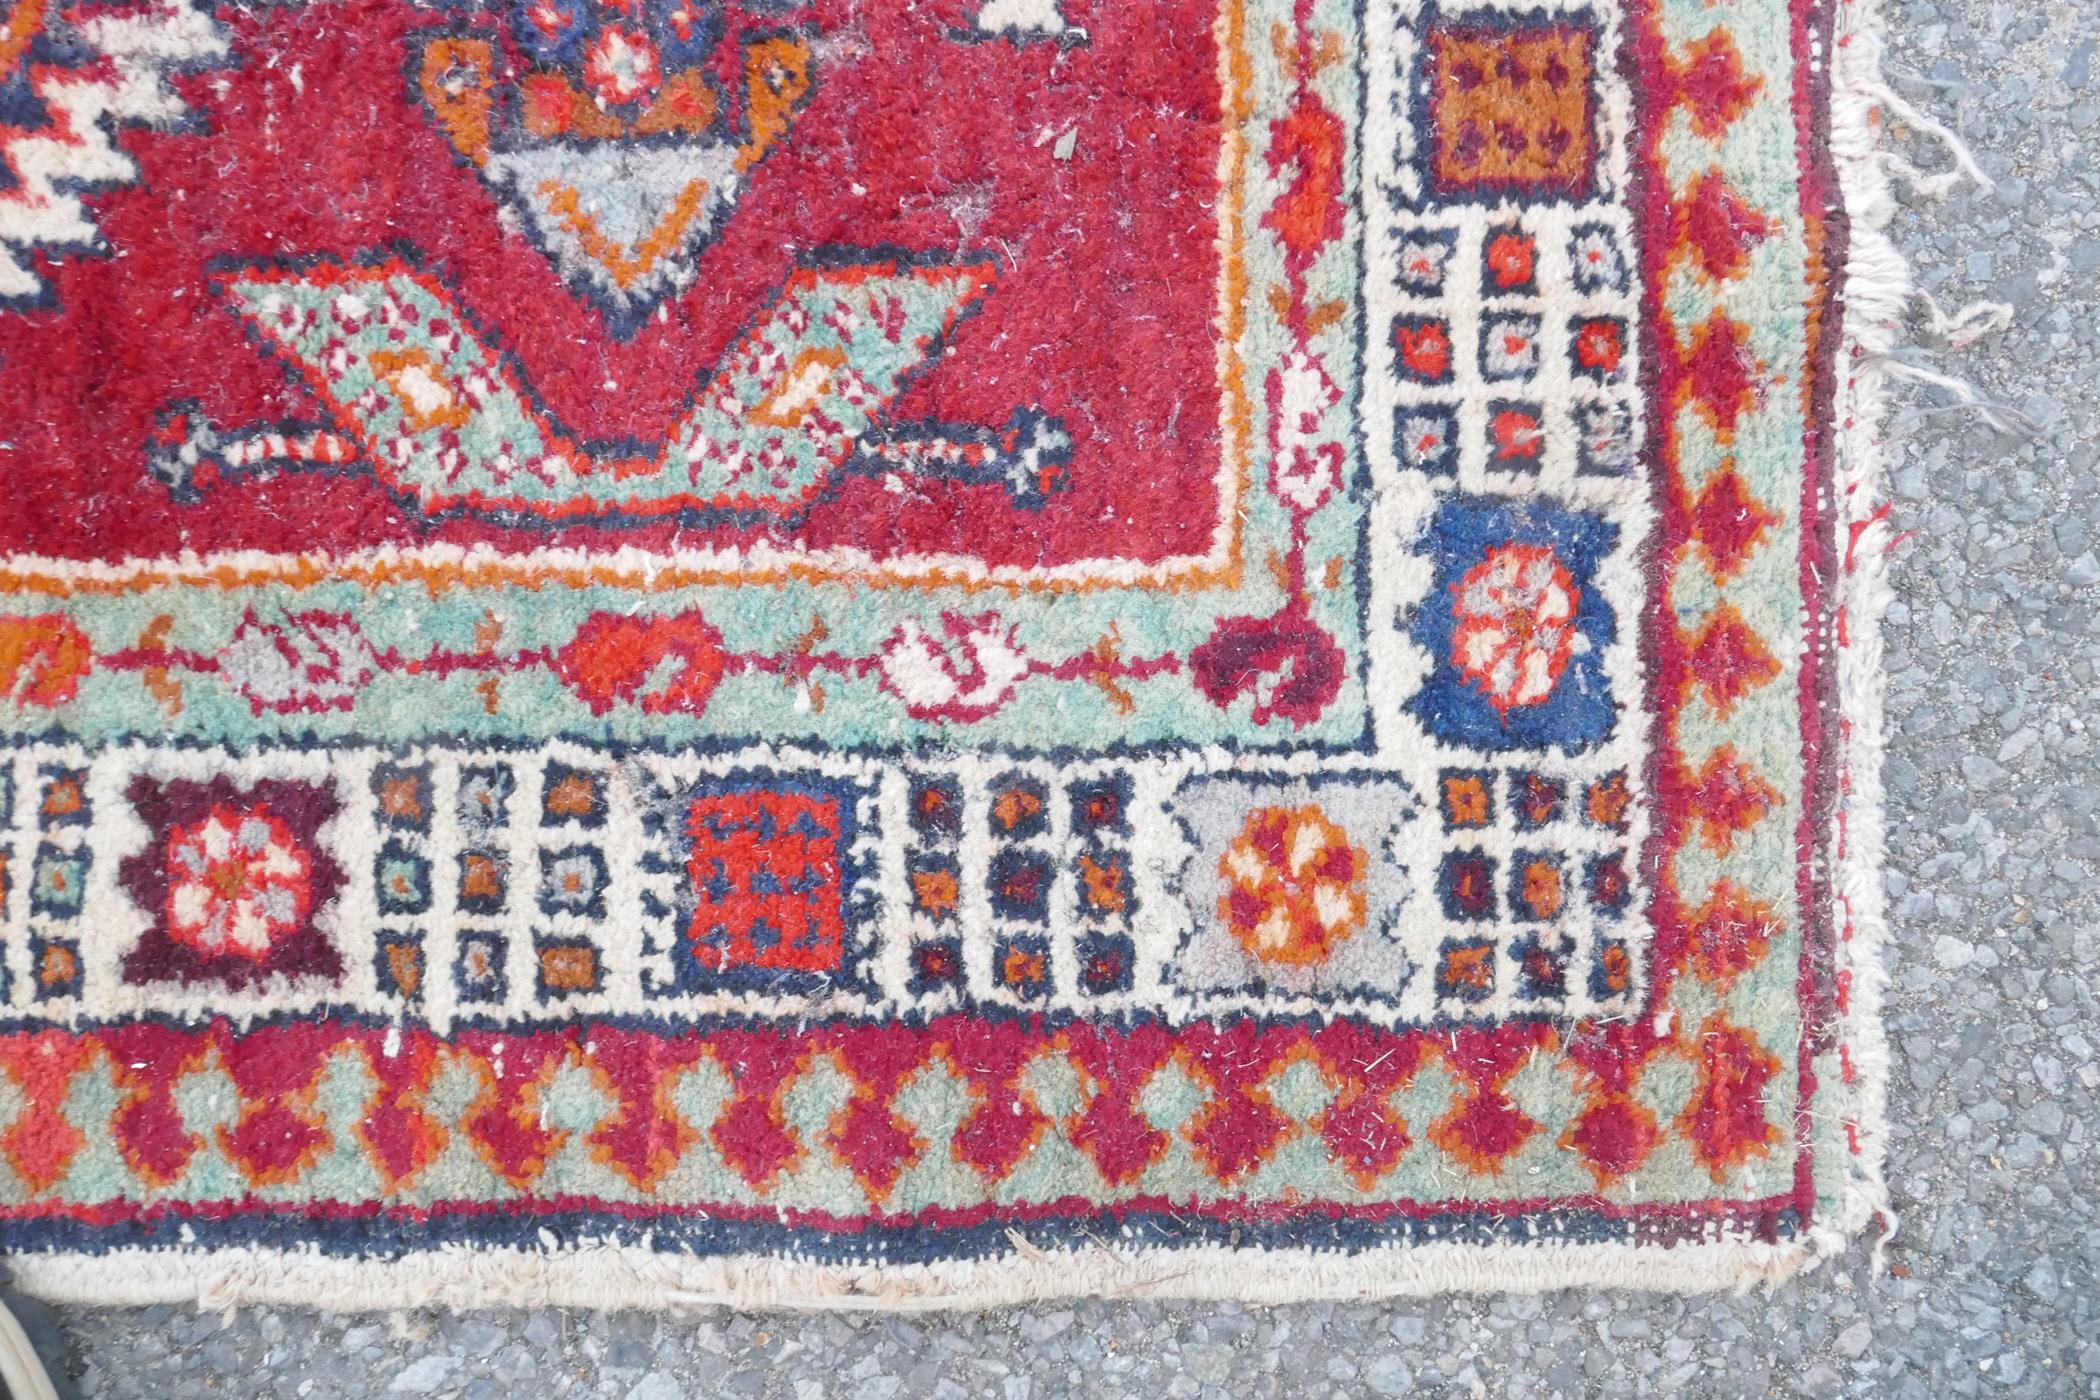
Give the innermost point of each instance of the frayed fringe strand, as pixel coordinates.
(1878, 288)
(1878, 291)
(1878, 282)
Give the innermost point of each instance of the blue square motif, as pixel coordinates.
(1516, 627)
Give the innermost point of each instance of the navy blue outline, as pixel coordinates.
(47, 855)
(1446, 416)
(1580, 276)
(1490, 287)
(945, 828)
(922, 860)
(483, 904)
(1499, 461)
(1486, 779)
(1090, 950)
(680, 1022)
(39, 942)
(503, 783)
(48, 774)
(1012, 861)
(1576, 326)
(1448, 990)
(552, 902)
(556, 772)
(922, 983)
(1595, 872)
(1556, 950)
(1081, 793)
(418, 773)
(857, 913)
(1027, 944)
(1432, 290)
(1033, 824)
(1520, 863)
(544, 943)
(384, 941)
(1495, 320)
(497, 947)
(401, 1231)
(1600, 978)
(390, 902)
(1449, 867)
(1417, 321)
(1434, 194)
(1587, 462)
(1520, 791)
(1103, 854)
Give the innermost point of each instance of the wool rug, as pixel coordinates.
(827, 652)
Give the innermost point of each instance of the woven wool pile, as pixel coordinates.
(819, 652)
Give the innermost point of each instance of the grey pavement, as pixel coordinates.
(1994, 876)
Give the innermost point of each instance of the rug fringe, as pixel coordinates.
(1879, 288)
(612, 1276)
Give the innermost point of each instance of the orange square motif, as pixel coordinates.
(1510, 110)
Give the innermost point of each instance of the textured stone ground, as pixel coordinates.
(1995, 878)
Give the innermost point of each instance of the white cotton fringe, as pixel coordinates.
(1852, 1089)
(1877, 291)
(616, 1277)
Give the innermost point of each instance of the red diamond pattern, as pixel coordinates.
(1726, 1118)
(1723, 378)
(1708, 83)
(1729, 522)
(1729, 798)
(1728, 659)
(1718, 228)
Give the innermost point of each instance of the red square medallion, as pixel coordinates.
(767, 886)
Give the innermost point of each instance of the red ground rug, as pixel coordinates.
(825, 651)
